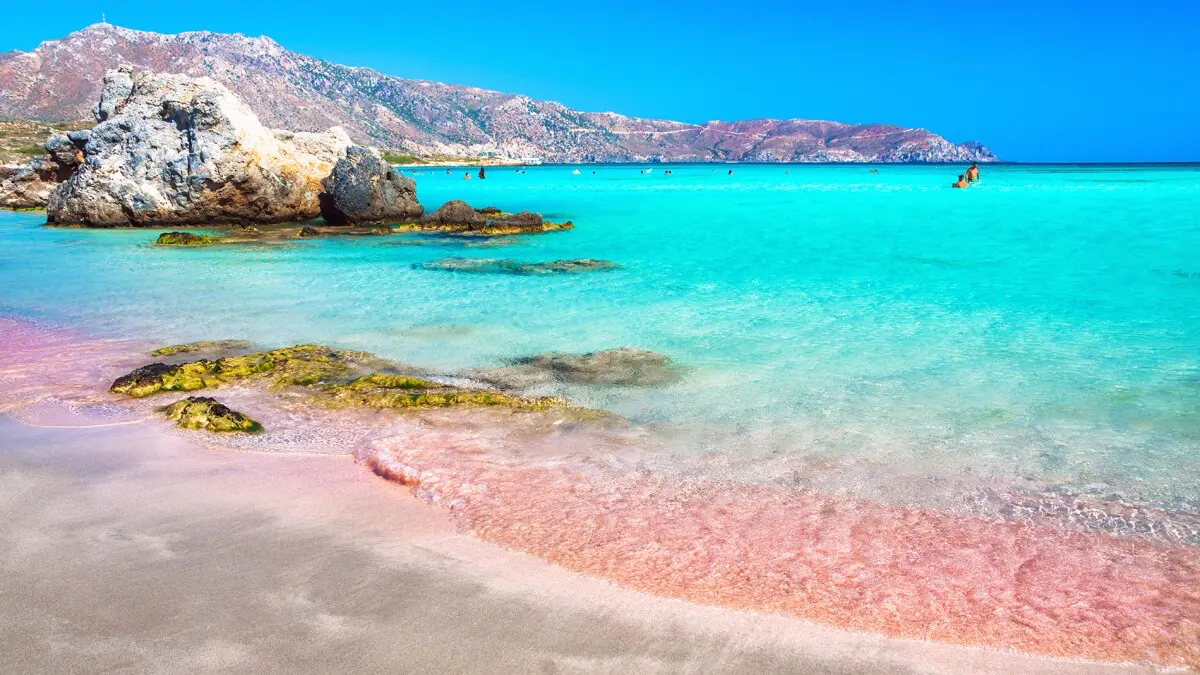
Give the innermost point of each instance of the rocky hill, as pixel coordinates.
(60, 81)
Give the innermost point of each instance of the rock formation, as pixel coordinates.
(201, 412)
(183, 239)
(170, 149)
(365, 189)
(456, 212)
(458, 216)
(30, 186)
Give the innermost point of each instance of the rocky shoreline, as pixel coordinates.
(176, 151)
(320, 376)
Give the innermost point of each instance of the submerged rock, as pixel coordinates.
(506, 266)
(183, 239)
(625, 367)
(306, 232)
(365, 189)
(203, 347)
(171, 149)
(198, 412)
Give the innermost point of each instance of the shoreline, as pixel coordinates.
(280, 567)
(456, 461)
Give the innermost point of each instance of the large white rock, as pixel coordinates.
(172, 149)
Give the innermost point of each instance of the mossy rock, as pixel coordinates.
(156, 377)
(207, 346)
(382, 390)
(307, 232)
(333, 378)
(199, 412)
(183, 239)
(300, 365)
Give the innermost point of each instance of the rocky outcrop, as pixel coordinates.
(183, 239)
(30, 186)
(363, 189)
(330, 377)
(458, 216)
(516, 267)
(622, 367)
(200, 412)
(58, 80)
(457, 213)
(170, 149)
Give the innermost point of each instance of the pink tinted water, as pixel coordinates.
(904, 571)
(908, 572)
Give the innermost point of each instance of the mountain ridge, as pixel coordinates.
(60, 80)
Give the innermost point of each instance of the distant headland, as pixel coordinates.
(60, 81)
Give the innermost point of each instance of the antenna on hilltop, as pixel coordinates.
(103, 20)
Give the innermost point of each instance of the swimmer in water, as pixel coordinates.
(482, 173)
(962, 182)
(467, 176)
(730, 172)
(973, 173)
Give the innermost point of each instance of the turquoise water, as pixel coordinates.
(1040, 331)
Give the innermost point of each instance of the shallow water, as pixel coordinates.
(1026, 351)
(1040, 327)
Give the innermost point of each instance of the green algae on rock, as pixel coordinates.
(205, 346)
(516, 267)
(184, 239)
(199, 412)
(336, 379)
(383, 390)
(308, 231)
(299, 365)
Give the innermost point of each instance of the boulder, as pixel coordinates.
(307, 231)
(456, 212)
(524, 219)
(363, 189)
(201, 412)
(172, 149)
(183, 239)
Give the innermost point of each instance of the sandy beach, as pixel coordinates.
(126, 549)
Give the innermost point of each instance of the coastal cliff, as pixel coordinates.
(60, 81)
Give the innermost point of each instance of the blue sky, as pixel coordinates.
(1035, 81)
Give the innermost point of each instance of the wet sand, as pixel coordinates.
(127, 549)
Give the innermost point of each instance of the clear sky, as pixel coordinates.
(1035, 81)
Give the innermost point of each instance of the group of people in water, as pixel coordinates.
(971, 176)
(964, 180)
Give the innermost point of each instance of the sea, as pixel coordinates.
(1020, 357)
